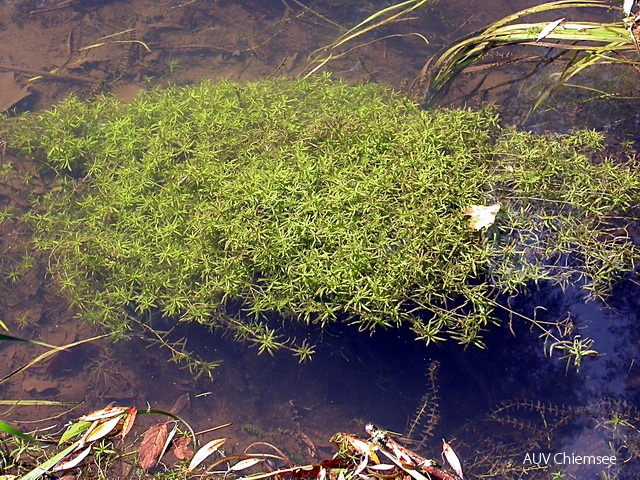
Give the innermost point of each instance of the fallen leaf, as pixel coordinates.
(152, 446)
(128, 421)
(482, 216)
(452, 458)
(169, 439)
(382, 467)
(38, 385)
(74, 430)
(72, 460)
(548, 29)
(244, 464)
(104, 413)
(181, 403)
(181, 448)
(102, 429)
(204, 452)
(627, 6)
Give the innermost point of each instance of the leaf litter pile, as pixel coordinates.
(97, 440)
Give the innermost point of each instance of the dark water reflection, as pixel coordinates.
(354, 378)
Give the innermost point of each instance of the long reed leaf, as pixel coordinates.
(36, 403)
(592, 40)
(11, 338)
(323, 55)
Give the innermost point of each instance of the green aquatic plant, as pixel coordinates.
(575, 349)
(578, 45)
(316, 202)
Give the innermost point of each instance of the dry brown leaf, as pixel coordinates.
(181, 448)
(152, 445)
(39, 385)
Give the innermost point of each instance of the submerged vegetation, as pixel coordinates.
(319, 202)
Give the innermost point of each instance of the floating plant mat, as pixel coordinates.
(319, 202)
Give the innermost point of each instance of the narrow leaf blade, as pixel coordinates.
(5, 427)
(204, 452)
(73, 431)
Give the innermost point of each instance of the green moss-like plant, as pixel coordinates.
(317, 201)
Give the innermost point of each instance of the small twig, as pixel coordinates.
(63, 77)
(208, 430)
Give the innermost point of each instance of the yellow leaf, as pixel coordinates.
(101, 429)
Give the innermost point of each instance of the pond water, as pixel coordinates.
(499, 407)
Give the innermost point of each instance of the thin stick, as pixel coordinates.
(61, 77)
(214, 428)
(59, 6)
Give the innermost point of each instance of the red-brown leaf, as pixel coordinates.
(152, 445)
(181, 448)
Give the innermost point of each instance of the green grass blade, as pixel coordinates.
(360, 29)
(5, 427)
(11, 338)
(589, 38)
(43, 468)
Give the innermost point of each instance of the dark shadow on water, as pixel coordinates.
(381, 377)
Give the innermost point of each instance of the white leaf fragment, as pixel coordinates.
(103, 414)
(101, 429)
(481, 216)
(205, 451)
(549, 28)
(244, 464)
(627, 6)
(72, 460)
(580, 27)
(452, 458)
